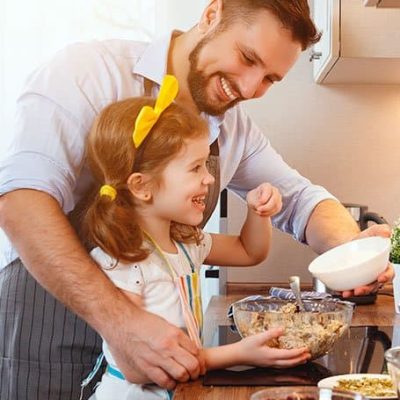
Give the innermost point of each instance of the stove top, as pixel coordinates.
(360, 350)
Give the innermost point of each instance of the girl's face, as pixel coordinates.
(181, 194)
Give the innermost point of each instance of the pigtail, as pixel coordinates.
(111, 225)
(110, 221)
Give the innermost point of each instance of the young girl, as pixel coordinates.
(151, 164)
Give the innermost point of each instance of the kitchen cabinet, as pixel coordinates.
(359, 44)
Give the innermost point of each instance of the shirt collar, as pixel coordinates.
(153, 66)
(153, 62)
(214, 125)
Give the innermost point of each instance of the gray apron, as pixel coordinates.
(45, 350)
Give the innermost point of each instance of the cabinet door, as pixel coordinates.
(324, 54)
(369, 32)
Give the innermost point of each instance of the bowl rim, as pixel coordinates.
(293, 301)
(313, 389)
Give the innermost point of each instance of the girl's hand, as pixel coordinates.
(265, 200)
(254, 351)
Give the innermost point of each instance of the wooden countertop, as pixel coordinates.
(380, 313)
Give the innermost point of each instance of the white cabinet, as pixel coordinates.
(359, 44)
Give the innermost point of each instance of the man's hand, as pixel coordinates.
(386, 276)
(152, 350)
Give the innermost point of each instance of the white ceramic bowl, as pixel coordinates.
(352, 264)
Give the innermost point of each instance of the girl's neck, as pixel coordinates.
(160, 233)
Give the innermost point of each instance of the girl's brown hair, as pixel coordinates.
(112, 224)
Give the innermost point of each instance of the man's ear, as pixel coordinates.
(139, 186)
(211, 16)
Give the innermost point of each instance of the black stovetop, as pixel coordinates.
(360, 350)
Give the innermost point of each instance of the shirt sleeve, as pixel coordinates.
(261, 163)
(198, 253)
(127, 277)
(54, 115)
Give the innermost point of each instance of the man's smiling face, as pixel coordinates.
(240, 62)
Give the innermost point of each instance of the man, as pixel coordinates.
(236, 52)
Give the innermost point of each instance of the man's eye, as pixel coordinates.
(247, 60)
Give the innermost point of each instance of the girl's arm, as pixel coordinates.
(253, 350)
(252, 245)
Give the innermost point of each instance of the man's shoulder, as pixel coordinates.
(118, 48)
(83, 56)
(86, 76)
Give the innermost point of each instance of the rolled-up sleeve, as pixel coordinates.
(261, 163)
(53, 117)
(40, 157)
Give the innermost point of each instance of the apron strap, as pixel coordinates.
(187, 256)
(148, 87)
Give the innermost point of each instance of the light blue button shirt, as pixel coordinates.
(62, 98)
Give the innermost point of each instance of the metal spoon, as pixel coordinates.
(294, 282)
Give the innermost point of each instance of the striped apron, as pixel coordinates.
(45, 350)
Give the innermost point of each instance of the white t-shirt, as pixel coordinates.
(153, 281)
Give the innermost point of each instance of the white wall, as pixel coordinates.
(344, 137)
(179, 14)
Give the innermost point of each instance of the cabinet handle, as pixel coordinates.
(315, 55)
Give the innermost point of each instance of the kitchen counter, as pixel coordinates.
(380, 313)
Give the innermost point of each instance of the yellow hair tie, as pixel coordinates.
(148, 116)
(108, 190)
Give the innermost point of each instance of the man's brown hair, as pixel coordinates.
(293, 14)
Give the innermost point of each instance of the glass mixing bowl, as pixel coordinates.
(392, 357)
(318, 328)
(304, 393)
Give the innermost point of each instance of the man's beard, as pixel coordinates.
(197, 83)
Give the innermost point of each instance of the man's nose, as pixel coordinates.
(252, 85)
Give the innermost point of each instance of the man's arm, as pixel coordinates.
(53, 254)
(330, 225)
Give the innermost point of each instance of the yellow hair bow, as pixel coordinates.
(148, 116)
(108, 190)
